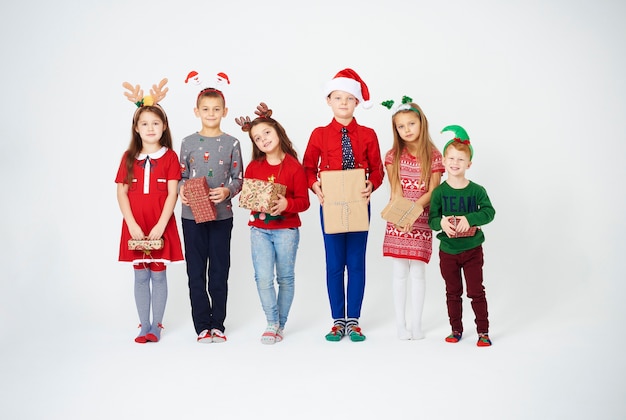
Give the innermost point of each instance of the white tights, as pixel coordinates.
(405, 270)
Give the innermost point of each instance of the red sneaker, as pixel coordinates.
(483, 340)
(455, 337)
(218, 336)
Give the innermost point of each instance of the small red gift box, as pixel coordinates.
(471, 232)
(197, 193)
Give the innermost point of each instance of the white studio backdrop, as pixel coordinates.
(538, 86)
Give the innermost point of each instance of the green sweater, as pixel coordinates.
(471, 202)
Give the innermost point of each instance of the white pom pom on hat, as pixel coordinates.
(349, 81)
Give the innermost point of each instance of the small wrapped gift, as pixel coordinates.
(145, 245)
(197, 192)
(402, 212)
(257, 195)
(471, 232)
(344, 209)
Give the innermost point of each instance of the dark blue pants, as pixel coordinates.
(345, 251)
(207, 245)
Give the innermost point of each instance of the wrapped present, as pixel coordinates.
(145, 245)
(257, 195)
(344, 209)
(471, 232)
(402, 212)
(197, 193)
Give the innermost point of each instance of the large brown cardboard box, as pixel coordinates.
(344, 209)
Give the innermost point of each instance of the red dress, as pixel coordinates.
(418, 243)
(147, 194)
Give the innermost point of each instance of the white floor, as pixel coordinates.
(81, 361)
(539, 85)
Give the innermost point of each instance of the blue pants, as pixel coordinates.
(274, 257)
(345, 251)
(207, 245)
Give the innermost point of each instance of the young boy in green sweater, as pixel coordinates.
(458, 207)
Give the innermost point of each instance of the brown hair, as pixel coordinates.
(135, 146)
(425, 147)
(210, 93)
(285, 143)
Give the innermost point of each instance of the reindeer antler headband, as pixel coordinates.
(404, 106)
(262, 111)
(135, 94)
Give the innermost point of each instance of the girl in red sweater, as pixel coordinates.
(274, 234)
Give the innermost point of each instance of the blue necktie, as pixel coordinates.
(346, 150)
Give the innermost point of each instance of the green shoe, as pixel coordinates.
(356, 334)
(335, 334)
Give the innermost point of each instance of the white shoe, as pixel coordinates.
(403, 334)
(417, 335)
(205, 337)
(217, 336)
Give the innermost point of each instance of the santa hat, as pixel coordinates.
(349, 81)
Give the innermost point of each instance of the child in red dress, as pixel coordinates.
(147, 190)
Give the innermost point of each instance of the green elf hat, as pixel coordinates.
(460, 136)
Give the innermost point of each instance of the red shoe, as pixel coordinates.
(152, 337)
(140, 339)
(483, 340)
(455, 337)
(217, 336)
(205, 337)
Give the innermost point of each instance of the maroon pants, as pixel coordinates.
(471, 262)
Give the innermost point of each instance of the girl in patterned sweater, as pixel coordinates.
(414, 167)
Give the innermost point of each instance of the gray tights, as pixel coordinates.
(144, 298)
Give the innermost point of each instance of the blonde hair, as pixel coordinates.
(425, 147)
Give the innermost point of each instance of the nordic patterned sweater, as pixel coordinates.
(471, 202)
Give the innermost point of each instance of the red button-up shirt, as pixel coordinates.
(323, 152)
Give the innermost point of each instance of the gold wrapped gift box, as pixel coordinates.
(257, 195)
(145, 245)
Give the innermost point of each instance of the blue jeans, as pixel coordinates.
(274, 250)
